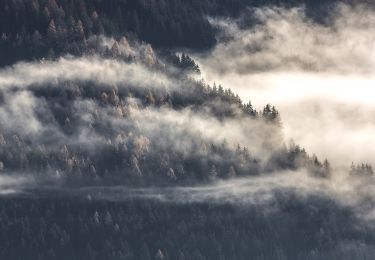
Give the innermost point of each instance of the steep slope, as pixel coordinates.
(124, 116)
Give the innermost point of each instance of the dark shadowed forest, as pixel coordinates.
(40, 28)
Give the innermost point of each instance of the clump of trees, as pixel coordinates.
(363, 169)
(294, 157)
(182, 62)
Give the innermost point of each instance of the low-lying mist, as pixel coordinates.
(321, 77)
(91, 68)
(355, 194)
(21, 109)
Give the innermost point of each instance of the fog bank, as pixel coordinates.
(321, 78)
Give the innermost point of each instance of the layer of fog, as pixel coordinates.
(92, 68)
(180, 130)
(320, 77)
(266, 191)
(14, 184)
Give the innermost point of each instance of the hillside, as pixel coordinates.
(113, 144)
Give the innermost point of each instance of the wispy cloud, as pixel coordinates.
(285, 40)
(266, 191)
(14, 184)
(94, 68)
(321, 77)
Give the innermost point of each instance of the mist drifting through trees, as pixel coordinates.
(186, 129)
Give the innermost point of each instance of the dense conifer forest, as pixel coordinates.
(37, 28)
(140, 229)
(113, 145)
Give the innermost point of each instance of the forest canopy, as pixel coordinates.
(36, 28)
(114, 146)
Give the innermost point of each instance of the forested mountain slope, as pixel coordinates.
(113, 146)
(35, 28)
(130, 130)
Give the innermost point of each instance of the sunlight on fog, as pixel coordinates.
(322, 79)
(331, 115)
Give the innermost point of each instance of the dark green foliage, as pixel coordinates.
(31, 29)
(183, 62)
(37, 28)
(296, 157)
(144, 229)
